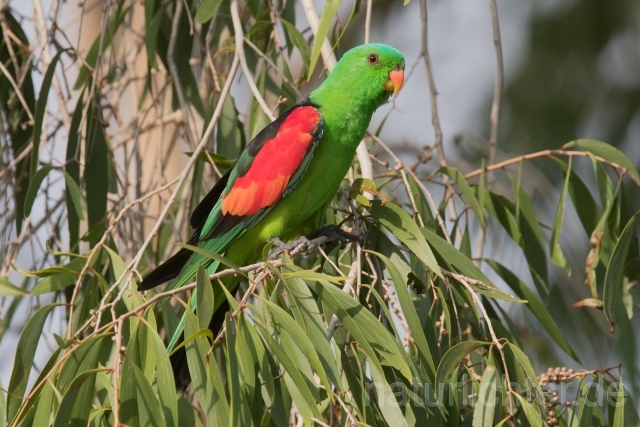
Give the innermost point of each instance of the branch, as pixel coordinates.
(494, 339)
(183, 175)
(329, 59)
(543, 153)
(237, 27)
(401, 167)
(442, 161)
(499, 84)
(17, 90)
(495, 113)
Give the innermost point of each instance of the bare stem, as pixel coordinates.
(442, 161)
(237, 27)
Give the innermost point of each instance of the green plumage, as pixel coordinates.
(346, 100)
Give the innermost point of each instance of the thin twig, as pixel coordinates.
(329, 59)
(497, 89)
(274, 66)
(543, 153)
(17, 91)
(494, 339)
(424, 52)
(185, 172)
(427, 193)
(116, 366)
(367, 22)
(495, 115)
(237, 27)
(347, 288)
(99, 245)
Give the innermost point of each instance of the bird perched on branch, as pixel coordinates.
(284, 180)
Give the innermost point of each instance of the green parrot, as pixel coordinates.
(284, 180)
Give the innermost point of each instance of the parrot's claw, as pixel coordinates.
(338, 234)
(303, 243)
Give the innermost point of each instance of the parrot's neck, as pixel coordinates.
(346, 115)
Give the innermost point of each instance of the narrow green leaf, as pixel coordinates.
(34, 187)
(304, 398)
(46, 370)
(364, 327)
(152, 17)
(329, 11)
(38, 115)
(626, 414)
(300, 42)
(200, 333)
(207, 10)
(387, 402)
(249, 355)
(465, 266)
(537, 308)
(26, 351)
(239, 408)
(586, 403)
(229, 133)
(411, 316)
(84, 357)
(532, 243)
(467, 192)
(72, 168)
(614, 280)
(284, 322)
(204, 297)
(15, 134)
(556, 252)
(76, 402)
(607, 152)
(583, 201)
(209, 156)
(44, 411)
(78, 202)
(196, 349)
(487, 400)
(8, 289)
(213, 256)
(454, 356)
(307, 314)
(532, 414)
(526, 366)
(96, 176)
(402, 226)
(164, 378)
(422, 204)
(66, 276)
(218, 411)
(606, 189)
(140, 407)
(131, 297)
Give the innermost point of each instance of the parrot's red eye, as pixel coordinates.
(373, 58)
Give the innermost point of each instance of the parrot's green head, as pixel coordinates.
(368, 75)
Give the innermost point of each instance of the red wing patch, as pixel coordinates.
(274, 165)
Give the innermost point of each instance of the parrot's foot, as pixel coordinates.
(336, 233)
(305, 245)
(302, 244)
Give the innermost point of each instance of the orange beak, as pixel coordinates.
(396, 79)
